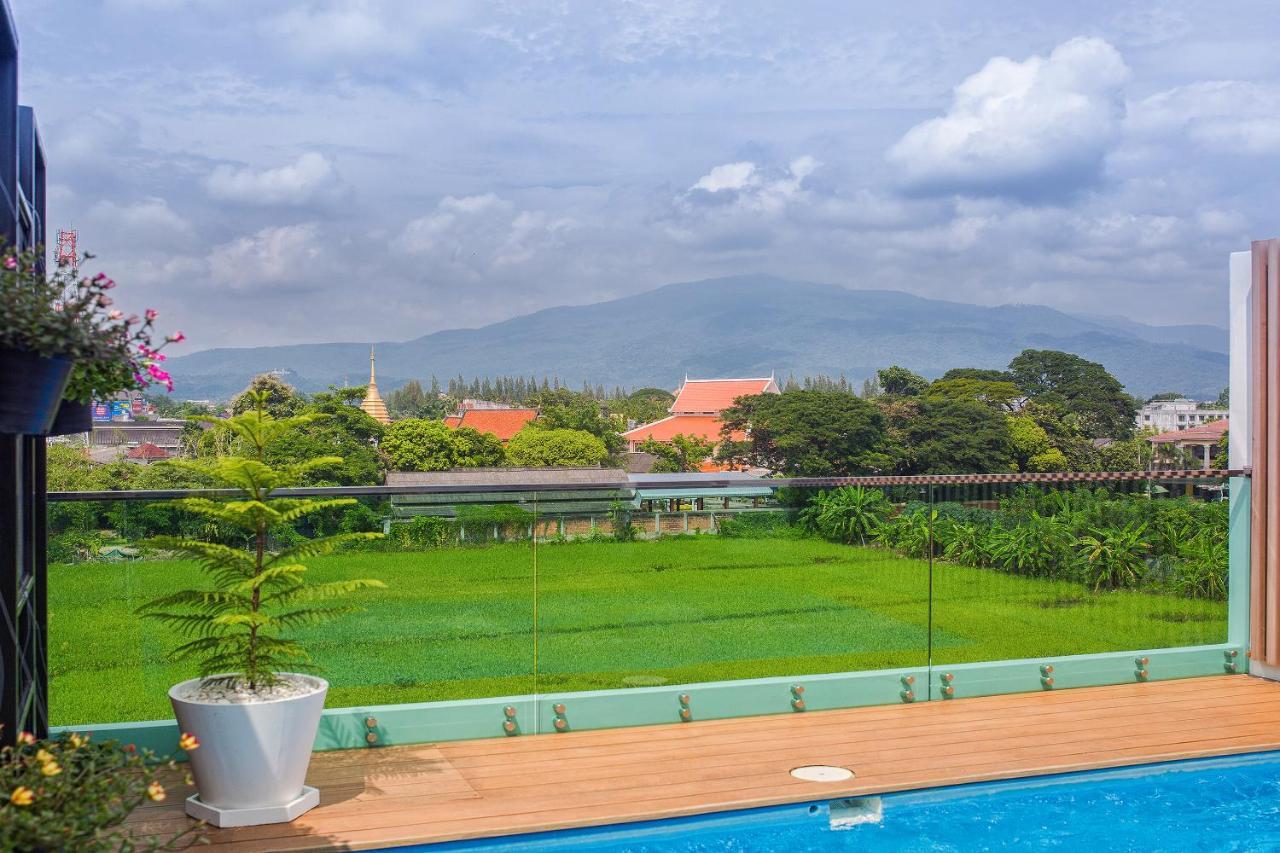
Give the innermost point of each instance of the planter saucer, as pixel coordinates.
(305, 802)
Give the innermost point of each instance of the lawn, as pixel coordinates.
(459, 622)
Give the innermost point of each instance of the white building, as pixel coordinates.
(1170, 415)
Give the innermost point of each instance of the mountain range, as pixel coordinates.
(739, 326)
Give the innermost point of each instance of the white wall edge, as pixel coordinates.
(1240, 374)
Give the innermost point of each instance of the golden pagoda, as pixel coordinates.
(372, 404)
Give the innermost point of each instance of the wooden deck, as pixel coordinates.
(402, 795)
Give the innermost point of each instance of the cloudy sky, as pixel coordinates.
(288, 171)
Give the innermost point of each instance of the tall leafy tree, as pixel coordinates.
(338, 429)
(899, 382)
(806, 433)
(417, 444)
(1079, 386)
(958, 437)
(555, 448)
(564, 409)
(681, 453)
(282, 399)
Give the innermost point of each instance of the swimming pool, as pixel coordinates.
(1206, 804)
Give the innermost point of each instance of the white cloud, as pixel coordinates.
(1039, 127)
(309, 178)
(278, 254)
(730, 176)
(480, 233)
(745, 187)
(146, 222)
(355, 28)
(1229, 116)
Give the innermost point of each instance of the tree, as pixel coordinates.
(982, 374)
(1032, 448)
(416, 444)
(282, 399)
(478, 449)
(900, 382)
(338, 428)
(682, 453)
(644, 406)
(958, 437)
(564, 409)
(1081, 387)
(1166, 395)
(235, 628)
(805, 433)
(1001, 395)
(412, 401)
(536, 447)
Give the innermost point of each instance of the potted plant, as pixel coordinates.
(122, 355)
(71, 793)
(40, 340)
(254, 707)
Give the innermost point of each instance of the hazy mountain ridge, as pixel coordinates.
(738, 326)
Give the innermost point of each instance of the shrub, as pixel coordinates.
(848, 514)
(74, 794)
(764, 524)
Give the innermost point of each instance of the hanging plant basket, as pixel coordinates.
(72, 418)
(31, 389)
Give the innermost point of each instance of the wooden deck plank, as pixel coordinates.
(415, 794)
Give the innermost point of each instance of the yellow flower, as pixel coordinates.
(188, 742)
(43, 756)
(155, 791)
(78, 740)
(51, 768)
(22, 796)
(26, 738)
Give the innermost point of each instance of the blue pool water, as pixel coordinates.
(1212, 804)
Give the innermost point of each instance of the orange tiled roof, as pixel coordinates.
(701, 396)
(452, 420)
(147, 450)
(1210, 432)
(504, 423)
(703, 426)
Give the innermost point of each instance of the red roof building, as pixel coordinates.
(503, 423)
(696, 410)
(146, 453)
(713, 396)
(1205, 438)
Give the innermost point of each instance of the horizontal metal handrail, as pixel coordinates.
(674, 483)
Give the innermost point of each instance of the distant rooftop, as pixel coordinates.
(503, 423)
(712, 396)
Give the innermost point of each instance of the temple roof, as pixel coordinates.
(712, 396)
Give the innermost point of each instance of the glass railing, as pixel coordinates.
(537, 589)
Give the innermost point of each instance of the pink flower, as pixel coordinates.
(116, 314)
(108, 284)
(151, 314)
(157, 374)
(99, 277)
(10, 262)
(133, 318)
(176, 338)
(105, 300)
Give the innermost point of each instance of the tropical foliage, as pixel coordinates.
(1100, 538)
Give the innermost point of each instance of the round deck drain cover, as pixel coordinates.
(822, 773)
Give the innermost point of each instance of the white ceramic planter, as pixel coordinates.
(253, 757)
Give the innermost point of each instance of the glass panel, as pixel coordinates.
(673, 584)
(1038, 570)
(455, 621)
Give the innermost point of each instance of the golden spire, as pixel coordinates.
(372, 404)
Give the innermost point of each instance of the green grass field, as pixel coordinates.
(459, 622)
